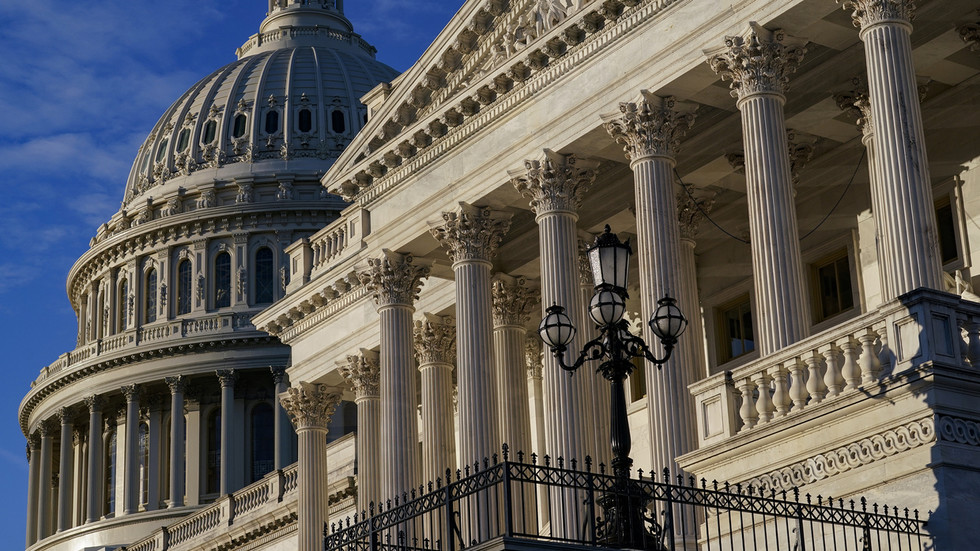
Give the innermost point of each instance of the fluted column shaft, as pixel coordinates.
(283, 432)
(758, 66)
(910, 246)
(44, 484)
(177, 429)
(362, 372)
(513, 304)
(79, 484)
(435, 348)
(227, 379)
(131, 470)
(153, 437)
(65, 472)
(310, 406)
(34, 467)
(93, 506)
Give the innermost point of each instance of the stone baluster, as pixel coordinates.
(759, 65)
(910, 246)
(851, 371)
(44, 482)
(177, 386)
(471, 236)
(797, 390)
(814, 380)
(435, 348)
(227, 379)
(33, 470)
(870, 366)
(832, 378)
(763, 405)
(395, 281)
(282, 450)
(363, 373)
(972, 348)
(780, 390)
(64, 472)
(310, 407)
(131, 470)
(93, 506)
(748, 413)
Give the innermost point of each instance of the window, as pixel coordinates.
(337, 122)
(184, 287)
(222, 280)
(209, 130)
(946, 226)
(123, 302)
(238, 129)
(305, 120)
(736, 336)
(162, 152)
(109, 501)
(183, 139)
(271, 122)
(265, 276)
(213, 473)
(144, 459)
(262, 441)
(833, 286)
(638, 380)
(150, 298)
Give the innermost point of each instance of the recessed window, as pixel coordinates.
(182, 139)
(262, 446)
(272, 122)
(337, 122)
(123, 305)
(222, 280)
(162, 151)
(184, 287)
(638, 380)
(735, 333)
(238, 128)
(265, 276)
(210, 128)
(213, 467)
(305, 120)
(946, 226)
(150, 297)
(833, 286)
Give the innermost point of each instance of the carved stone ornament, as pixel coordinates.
(363, 373)
(435, 339)
(131, 392)
(163, 295)
(278, 375)
(226, 377)
(869, 12)
(513, 301)
(555, 184)
(651, 127)
(857, 105)
(532, 355)
(959, 430)
(310, 406)
(394, 278)
(471, 233)
(176, 384)
(242, 282)
(692, 209)
(585, 278)
(759, 63)
(970, 34)
(800, 153)
(244, 192)
(93, 402)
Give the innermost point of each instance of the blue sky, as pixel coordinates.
(82, 83)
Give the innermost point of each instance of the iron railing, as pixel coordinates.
(549, 502)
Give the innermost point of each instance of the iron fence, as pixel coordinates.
(551, 502)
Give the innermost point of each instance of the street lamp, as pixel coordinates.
(615, 347)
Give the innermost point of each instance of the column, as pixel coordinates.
(363, 373)
(513, 304)
(282, 455)
(64, 471)
(435, 348)
(177, 386)
(555, 186)
(227, 379)
(154, 422)
(532, 357)
(395, 280)
(310, 406)
(131, 484)
(44, 482)
(78, 476)
(692, 209)
(759, 65)
(34, 468)
(910, 246)
(471, 236)
(601, 395)
(93, 505)
(192, 452)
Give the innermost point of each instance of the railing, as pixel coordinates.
(920, 327)
(337, 240)
(292, 32)
(586, 507)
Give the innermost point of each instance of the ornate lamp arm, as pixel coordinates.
(635, 346)
(593, 350)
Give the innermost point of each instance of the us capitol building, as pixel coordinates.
(323, 285)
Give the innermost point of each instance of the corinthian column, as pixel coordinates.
(363, 374)
(692, 210)
(34, 461)
(131, 480)
(282, 450)
(44, 482)
(64, 472)
(395, 280)
(759, 65)
(93, 507)
(435, 348)
(227, 379)
(513, 303)
(471, 237)
(910, 245)
(555, 186)
(310, 407)
(177, 386)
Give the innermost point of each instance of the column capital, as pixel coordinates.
(758, 62)
(650, 127)
(131, 392)
(77, 436)
(865, 13)
(64, 415)
(471, 233)
(585, 277)
(692, 209)
(45, 428)
(363, 373)
(532, 355)
(33, 443)
(856, 104)
(513, 301)
(176, 384)
(226, 377)
(970, 34)
(556, 183)
(309, 405)
(394, 278)
(435, 339)
(278, 374)
(800, 153)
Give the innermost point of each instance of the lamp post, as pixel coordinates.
(624, 509)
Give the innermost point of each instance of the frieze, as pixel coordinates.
(958, 429)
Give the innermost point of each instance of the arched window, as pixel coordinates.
(150, 297)
(144, 458)
(123, 305)
(337, 122)
(222, 280)
(271, 122)
(214, 452)
(210, 129)
(109, 478)
(265, 276)
(262, 437)
(162, 152)
(184, 287)
(183, 139)
(305, 122)
(239, 126)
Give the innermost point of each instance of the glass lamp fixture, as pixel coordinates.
(610, 261)
(607, 307)
(556, 328)
(668, 322)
